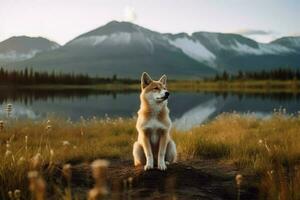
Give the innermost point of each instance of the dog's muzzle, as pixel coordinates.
(167, 94)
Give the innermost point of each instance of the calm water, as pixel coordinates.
(187, 108)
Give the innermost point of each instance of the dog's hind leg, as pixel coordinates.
(138, 154)
(171, 153)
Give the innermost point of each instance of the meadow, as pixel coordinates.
(34, 152)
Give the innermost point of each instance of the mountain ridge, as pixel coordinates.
(23, 47)
(127, 49)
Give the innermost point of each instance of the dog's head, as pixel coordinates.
(154, 91)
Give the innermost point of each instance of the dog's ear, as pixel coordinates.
(163, 80)
(145, 80)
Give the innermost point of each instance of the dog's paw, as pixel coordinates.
(148, 167)
(162, 166)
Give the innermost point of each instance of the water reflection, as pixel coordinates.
(197, 115)
(187, 108)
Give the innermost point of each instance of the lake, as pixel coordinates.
(187, 108)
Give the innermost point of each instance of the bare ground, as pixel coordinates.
(200, 179)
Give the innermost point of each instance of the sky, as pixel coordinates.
(63, 20)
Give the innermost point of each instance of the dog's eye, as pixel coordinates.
(156, 88)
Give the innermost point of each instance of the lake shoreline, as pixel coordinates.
(245, 86)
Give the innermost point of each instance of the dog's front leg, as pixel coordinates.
(148, 151)
(161, 164)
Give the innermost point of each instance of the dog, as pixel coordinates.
(154, 144)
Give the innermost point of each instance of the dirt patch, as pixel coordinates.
(183, 180)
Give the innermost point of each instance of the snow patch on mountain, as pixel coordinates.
(261, 50)
(113, 39)
(89, 41)
(15, 56)
(213, 39)
(119, 38)
(194, 49)
(294, 41)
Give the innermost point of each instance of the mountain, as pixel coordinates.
(126, 50)
(23, 47)
(120, 48)
(233, 52)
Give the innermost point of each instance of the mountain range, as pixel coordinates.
(23, 48)
(126, 50)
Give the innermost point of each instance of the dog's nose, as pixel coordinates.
(167, 94)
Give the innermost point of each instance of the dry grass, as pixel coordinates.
(56, 142)
(251, 143)
(270, 147)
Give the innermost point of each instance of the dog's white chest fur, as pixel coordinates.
(154, 137)
(154, 124)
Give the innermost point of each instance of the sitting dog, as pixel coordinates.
(154, 144)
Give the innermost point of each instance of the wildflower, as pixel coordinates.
(239, 179)
(267, 147)
(37, 185)
(10, 195)
(51, 156)
(48, 127)
(94, 194)
(284, 111)
(21, 160)
(270, 174)
(36, 161)
(17, 194)
(130, 180)
(66, 143)
(51, 153)
(8, 109)
(7, 145)
(99, 169)
(1, 125)
(32, 174)
(67, 171)
(26, 142)
(260, 141)
(8, 153)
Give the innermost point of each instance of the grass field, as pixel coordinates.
(268, 149)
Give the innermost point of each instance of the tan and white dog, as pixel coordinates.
(154, 144)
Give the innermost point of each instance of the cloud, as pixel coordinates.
(259, 35)
(254, 32)
(130, 14)
(296, 34)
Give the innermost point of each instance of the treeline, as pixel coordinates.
(31, 77)
(276, 74)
